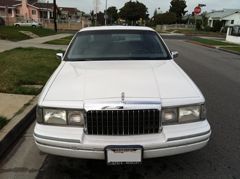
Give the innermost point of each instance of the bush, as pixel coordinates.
(165, 18)
(208, 28)
(199, 25)
(217, 25)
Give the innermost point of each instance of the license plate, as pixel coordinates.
(119, 155)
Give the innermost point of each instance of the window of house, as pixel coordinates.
(9, 11)
(33, 12)
(235, 31)
(232, 21)
(17, 11)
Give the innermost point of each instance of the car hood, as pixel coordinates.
(96, 80)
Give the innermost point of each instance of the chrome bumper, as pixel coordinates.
(73, 142)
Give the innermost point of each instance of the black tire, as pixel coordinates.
(17, 25)
(33, 26)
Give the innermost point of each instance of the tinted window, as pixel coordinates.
(117, 45)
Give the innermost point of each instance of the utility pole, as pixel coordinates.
(105, 15)
(55, 15)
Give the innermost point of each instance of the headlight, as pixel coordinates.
(54, 116)
(189, 113)
(183, 114)
(169, 115)
(76, 118)
(60, 116)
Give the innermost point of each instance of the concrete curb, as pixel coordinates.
(209, 46)
(16, 126)
(229, 51)
(198, 43)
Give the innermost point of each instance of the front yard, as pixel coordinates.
(14, 33)
(23, 70)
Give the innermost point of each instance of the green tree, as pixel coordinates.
(112, 13)
(100, 18)
(165, 18)
(178, 7)
(133, 11)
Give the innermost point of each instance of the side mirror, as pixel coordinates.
(174, 54)
(59, 56)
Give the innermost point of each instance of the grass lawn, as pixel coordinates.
(13, 33)
(62, 41)
(22, 67)
(193, 31)
(211, 42)
(3, 122)
(237, 48)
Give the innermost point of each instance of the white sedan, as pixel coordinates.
(119, 96)
(28, 24)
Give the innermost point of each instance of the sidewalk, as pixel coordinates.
(36, 42)
(19, 110)
(10, 104)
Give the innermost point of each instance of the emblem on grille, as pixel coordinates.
(123, 97)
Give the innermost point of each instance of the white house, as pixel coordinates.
(229, 17)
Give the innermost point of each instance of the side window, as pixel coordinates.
(232, 21)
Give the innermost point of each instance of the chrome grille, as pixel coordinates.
(123, 122)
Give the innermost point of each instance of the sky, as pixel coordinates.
(88, 5)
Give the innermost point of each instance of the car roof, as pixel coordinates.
(116, 28)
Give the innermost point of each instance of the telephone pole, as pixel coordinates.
(55, 15)
(105, 15)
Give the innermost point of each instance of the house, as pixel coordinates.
(70, 13)
(22, 10)
(228, 17)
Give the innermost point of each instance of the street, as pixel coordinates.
(217, 74)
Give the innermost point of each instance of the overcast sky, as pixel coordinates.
(87, 5)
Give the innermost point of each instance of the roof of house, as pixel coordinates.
(9, 3)
(70, 10)
(216, 15)
(43, 5)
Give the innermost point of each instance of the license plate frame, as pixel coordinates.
(124, 154)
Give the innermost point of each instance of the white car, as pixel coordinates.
(28, 24)
(119, 96)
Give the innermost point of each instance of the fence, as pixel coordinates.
(174, 26)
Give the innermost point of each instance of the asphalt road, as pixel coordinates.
(217, 74)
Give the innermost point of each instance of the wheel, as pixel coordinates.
(34, 26)
(17, 25)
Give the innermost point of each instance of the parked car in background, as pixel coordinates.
(119, 96)
(28, 24)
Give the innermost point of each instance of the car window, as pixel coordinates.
(116, 44)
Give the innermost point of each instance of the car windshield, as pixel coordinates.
(117, 45)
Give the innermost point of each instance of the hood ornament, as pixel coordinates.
(123, 98)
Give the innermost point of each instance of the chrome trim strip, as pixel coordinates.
(57, 139)
(97, 149)
(117, 105)
(71, 148)
(189, 136)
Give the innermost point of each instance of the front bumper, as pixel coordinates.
(73, 142)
